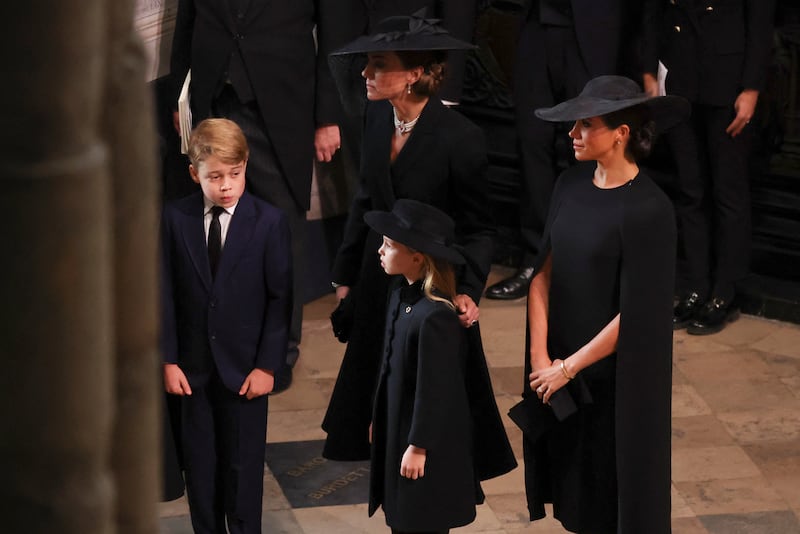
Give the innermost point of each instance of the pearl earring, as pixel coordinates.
(408, 88)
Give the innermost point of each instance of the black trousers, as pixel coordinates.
(266, 180)
(549, 69)
(223, 437)
(712, 203)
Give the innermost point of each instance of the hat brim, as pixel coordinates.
(416, 43)
(665, 111)
(386, 223)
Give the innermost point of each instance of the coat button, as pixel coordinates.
(408, 309)
(673, 2)
(677, 29)
(709, 8)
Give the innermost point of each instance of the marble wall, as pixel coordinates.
(155, 22)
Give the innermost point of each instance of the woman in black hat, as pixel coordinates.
(414, 147)
(599, 320)
(426, 461)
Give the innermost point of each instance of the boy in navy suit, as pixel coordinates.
(226, 301)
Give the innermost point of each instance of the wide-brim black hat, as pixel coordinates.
(405, 33)
(418, 226)
(606, 94)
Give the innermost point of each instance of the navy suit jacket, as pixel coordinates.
(238, 320)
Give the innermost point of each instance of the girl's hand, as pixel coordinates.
(413, 463)
(547, 381)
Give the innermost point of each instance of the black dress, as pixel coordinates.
(613, 251)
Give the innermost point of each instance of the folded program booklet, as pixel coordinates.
(185, 114)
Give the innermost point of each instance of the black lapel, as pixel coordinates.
(377, 163)
(419, 139)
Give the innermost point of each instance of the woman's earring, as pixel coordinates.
(408, 88)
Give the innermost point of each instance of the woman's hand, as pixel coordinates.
(548, 380)
(468, 311)
(413, 463)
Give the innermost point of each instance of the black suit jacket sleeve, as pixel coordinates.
(348, 259)
(181, 53)
(327, 106)
(759, 15)
(652, 12)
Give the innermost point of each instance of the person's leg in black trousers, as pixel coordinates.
(548, 69)
(730, 215)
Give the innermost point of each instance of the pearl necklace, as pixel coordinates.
(403, 127)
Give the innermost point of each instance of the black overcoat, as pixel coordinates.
(443, 163)
(422, 400)
(290, 77)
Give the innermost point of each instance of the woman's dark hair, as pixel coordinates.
(433, 65)
(643, 130)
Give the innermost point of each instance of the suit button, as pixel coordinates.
(677, 29)
(213, 338)
(673, 2)
(709, 8)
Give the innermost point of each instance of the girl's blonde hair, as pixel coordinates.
(438, 275)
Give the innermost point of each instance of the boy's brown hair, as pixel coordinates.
(218, 137)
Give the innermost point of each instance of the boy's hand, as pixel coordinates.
(413, 463)
(259, 382)
(175, 382)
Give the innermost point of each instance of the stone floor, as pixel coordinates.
(735, 438)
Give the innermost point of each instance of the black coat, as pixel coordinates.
(443, 163)
(422, 400)
(713, 49)
(291, 82)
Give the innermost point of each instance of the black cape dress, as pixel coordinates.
(606, 468)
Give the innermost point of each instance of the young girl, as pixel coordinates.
(423, 470)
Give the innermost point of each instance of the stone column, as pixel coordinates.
(129, 130)
(56, 335)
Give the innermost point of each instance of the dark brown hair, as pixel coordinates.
(643, 130)
(433, 69)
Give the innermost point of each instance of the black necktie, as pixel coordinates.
(215, 239)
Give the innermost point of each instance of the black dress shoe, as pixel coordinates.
(686, 310)
(514, 287)
(713, 317)
(283, 379)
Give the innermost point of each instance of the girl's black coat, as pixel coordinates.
(422, 400)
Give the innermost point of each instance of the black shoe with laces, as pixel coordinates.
(514, 287)
(712, 317)
(686, 310)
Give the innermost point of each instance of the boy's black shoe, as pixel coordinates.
(283, 379)
(514, 287)
(686, 310)
(713, 317)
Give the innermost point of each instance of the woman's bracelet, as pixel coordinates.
(564, 370)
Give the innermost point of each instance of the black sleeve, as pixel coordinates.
(181, 54)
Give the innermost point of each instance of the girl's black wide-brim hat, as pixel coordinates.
(419, 226)
(606, 94)
(405, 33)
